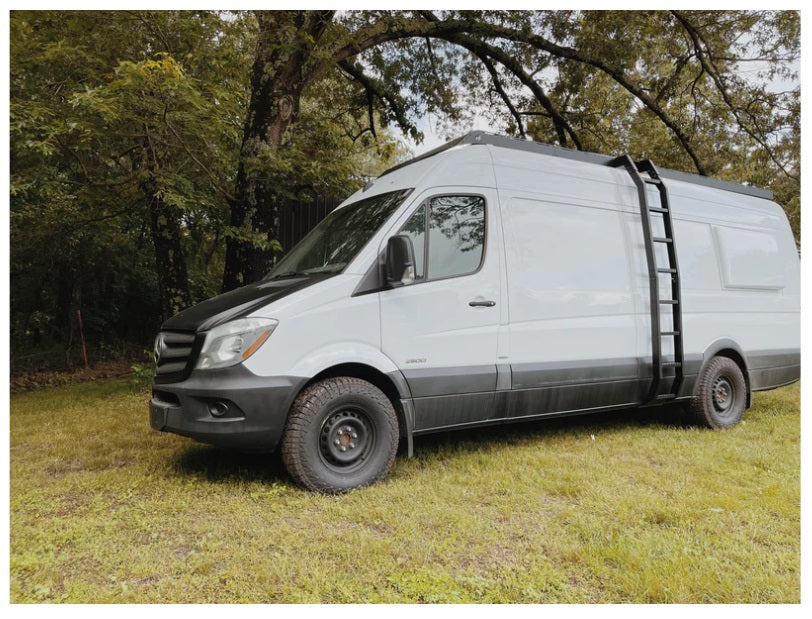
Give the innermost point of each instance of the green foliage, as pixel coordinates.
(77, 171)
(141, 378)
(529, 513)
(112, 110)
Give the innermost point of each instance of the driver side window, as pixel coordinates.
(455, 229)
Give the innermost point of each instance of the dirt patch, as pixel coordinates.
(54, 378)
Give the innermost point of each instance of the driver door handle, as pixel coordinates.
(482, 303)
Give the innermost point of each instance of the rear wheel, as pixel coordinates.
(720, 395)
(342, 433)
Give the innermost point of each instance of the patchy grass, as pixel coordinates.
(621, 507)
(39, 379)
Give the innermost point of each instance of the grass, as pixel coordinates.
(620, 507)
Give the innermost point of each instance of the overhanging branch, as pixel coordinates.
(497, 84)
(703, 53)
(485, 52)
(402, 28)
(375, 88)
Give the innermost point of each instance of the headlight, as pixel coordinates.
(233, 342)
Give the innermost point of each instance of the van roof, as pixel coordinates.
(482, 137)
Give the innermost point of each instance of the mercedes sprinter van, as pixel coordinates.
(491, 280)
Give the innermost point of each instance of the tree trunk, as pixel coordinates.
(170, 263)
(286, 39)
(165, 228)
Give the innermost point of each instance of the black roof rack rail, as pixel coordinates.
(482, 137)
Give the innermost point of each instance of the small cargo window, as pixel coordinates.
(750, 258)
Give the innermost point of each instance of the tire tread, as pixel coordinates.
(699, 408)
(306, 411)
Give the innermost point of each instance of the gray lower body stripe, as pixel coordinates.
(445, 398)
(773, 368)
(548, 374)
(450, 381)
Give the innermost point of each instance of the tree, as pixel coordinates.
(654, 82)
(134, 134)
(125, 133)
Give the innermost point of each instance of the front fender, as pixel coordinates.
(340, 353)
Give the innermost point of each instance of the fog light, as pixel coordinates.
(218, 409)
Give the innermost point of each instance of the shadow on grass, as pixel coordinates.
(618, 420)
(222, 465)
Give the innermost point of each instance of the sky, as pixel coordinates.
(432, 139)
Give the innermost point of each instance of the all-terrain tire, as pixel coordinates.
(720, 395)
(342, 433)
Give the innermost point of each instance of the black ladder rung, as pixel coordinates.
(669, 301)
(670, 333)
(666, 270)
(671, 364)
(653, 181)
(657, 209)
(662, 239)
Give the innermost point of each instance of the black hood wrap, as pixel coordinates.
(237, 303)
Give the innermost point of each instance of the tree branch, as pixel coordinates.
(485, 52)
(86, 222)
(379, 90)
(400, 28)
(615, 73)
(711, 69)
(497, 84)
(214, 181)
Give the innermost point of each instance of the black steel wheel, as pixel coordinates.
(341, 433)
(720, 395)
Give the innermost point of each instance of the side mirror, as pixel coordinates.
(399, 260)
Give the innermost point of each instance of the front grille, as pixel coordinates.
(174, 355)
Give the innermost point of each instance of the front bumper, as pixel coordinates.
(253, 409)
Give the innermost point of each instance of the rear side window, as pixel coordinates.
(455, 229)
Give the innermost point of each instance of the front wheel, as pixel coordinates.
(342, 433)
(720, 395)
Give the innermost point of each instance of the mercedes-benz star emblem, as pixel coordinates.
(159, 346)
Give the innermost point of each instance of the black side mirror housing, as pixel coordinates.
(400, 265)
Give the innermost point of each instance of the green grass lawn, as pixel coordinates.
(618, 507)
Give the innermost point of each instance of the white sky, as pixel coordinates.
(432, 139)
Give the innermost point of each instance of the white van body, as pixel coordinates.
(561, 321)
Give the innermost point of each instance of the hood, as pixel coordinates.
(237, 303)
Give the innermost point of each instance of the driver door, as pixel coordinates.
(441, 330)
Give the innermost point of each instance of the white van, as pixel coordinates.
(491, 280)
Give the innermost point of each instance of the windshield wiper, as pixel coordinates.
(289, 274)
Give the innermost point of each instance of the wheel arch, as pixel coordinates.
(730, 349)
(393, 385)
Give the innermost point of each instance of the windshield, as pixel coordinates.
(330, 246)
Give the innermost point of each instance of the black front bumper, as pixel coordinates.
(253, 408)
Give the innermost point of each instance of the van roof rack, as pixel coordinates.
(482, 137)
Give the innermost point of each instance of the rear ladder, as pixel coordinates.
(659, 389)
